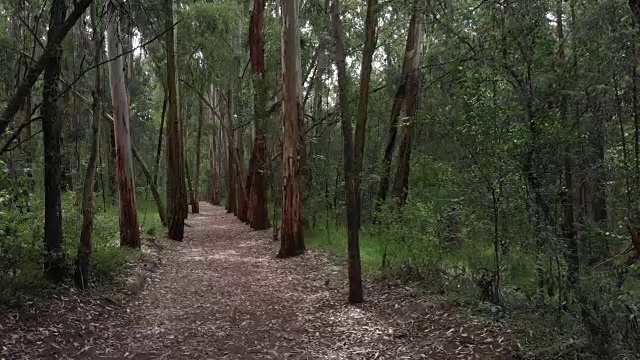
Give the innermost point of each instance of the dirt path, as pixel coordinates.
(221, 294)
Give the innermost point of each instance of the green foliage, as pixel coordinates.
(21, 246)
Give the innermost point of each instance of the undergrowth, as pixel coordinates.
(596, 321)
(21, 245)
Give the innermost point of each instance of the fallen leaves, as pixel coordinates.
(221, 294)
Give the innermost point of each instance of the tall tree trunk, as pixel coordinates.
(196, 183)
(129, 230)
(370, 41)
(214, 153)
(52, 134)
(292, 238)
(185, 139)
(81, 274)
(232, 201)
(176, 187)
(396, 109)
(355, 276)
(401, 183)
(258, 163)
(568, 227)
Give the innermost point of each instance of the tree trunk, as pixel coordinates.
(176, 187)
(191, 198)
(154, 189)
(232, 201)
(129, 230)
(258, 164)
(292, 238)
(370, 41)
(81, 274)
(396, 109)
(160, 133)
(401, 183)
(355, 276)
(52, 134)
(196, 186)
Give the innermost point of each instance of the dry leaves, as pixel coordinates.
(222, 294)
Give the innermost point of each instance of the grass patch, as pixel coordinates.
(333, 239)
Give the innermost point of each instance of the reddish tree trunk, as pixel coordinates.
(292, 239)
(129, 230)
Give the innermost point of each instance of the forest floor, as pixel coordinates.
(222, 294)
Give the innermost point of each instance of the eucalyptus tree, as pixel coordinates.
(129, 228)
(176, 187)
(52, 136)
(292, 238)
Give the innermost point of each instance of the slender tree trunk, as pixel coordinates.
(81, 274)
(195, 208)
(154, 189)
(401, 184)
(52, 135)
(232, 201)
(370, 41)
(185, 139)
(258, 164)
(292, 238)
(176, 187)
(396, 109)
(355, 277)
(160, 133)
(129, 230)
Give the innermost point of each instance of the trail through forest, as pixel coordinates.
(222, 294)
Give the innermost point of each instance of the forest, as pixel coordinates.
(483, 153)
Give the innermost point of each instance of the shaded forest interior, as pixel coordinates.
(485, 152)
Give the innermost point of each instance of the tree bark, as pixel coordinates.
(176, 187)
(160, 133)
(52, 135)
(396, 109)
(232, 200)
(259, 214)
(353, 248)
(196, 186)
(292, 238)
(81, 274)
(129, 229)
(401, 183)
(370, 41)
